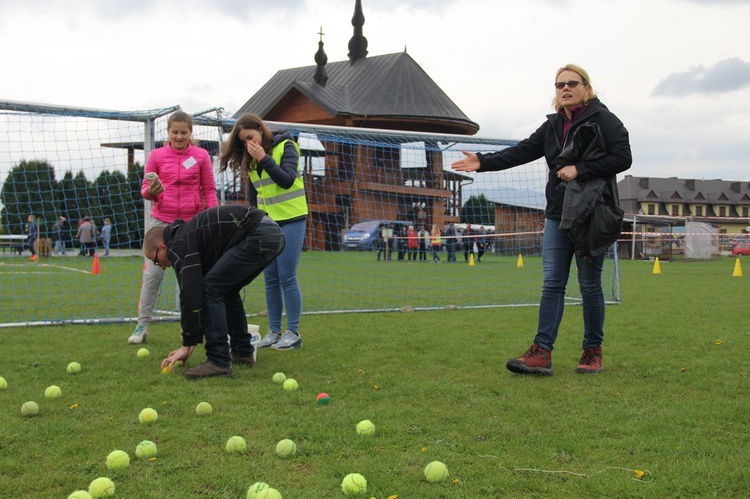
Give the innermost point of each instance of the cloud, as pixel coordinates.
(724, 76)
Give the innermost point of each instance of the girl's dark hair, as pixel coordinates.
(234, 154)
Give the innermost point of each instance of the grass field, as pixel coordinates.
(672, 403)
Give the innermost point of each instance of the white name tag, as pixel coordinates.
(190, 162)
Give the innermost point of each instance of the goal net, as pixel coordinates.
(366, 190)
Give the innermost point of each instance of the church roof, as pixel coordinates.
(386, 86)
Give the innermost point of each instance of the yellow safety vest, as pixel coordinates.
(436, 239)
(280, 204)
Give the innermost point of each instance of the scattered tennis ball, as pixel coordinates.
(366, 428)
(142, 353)
(3, 383)
(167, 369)
(52, 392)
(30, 409)
(286, 448)
(145, 450)
(279, 378)
(118, 460)
(436, 472)
(80, 494)
(290, 385)
(236, 444)
(269, 493)
(148, 415)
(203, 409)
(324, 399)
(102, 487)
(257, 488)
(74, 368)
(354, 484)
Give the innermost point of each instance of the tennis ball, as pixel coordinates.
(52, 392)
(102, 487)
(118, 460)
(203, 409)
(30, 409)
(290, 385)
(354, 484)
(324, 399)
(145, 450)
(74, 368)
(3, 383)
(286, 448)
(80, 494)
(148, 415)
(257, 488)
(269, 493)
(279, 378)
(365, 428)
(436, 472)
(236, 444)
(142, 353)
(167, 369)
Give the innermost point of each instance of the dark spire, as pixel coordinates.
(357, 43)
(321, 77)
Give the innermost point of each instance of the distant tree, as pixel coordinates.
(29, 189)
(478, 210)
(116, 203)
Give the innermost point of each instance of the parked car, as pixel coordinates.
(362, 236)
(741, 249)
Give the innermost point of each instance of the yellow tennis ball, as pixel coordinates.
(167, 369)
(436, 472)
(102, 487)
(203, 409)
(80, 494)
(52, 392)
(290, 385)
(30, 409)
(354, 484)
(142, 353)
(236, 444)
(279, 378)
(366, 428)
(269, 493)
(145, 450)
(3, 383)
(148, 415)
(286, 448)
(74, 368)
(118, 460)
(257, 488)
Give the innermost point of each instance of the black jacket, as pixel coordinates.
(194, 247)
(545, 141)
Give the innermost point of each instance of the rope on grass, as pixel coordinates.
(640, 475)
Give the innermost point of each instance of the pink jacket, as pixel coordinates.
(188, 180)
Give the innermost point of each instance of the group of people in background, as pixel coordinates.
(413, 245)
(87, 234)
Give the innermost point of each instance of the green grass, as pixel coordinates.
(672, 402)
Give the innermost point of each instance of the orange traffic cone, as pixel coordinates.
(737, 268)
(95, 269)
(520, 261)
(657, 267)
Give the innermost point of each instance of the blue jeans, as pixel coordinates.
(557, 254)
(282, 286)
(223, 312)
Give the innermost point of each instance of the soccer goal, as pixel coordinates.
(367, 190)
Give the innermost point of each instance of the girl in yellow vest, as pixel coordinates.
(436, 241)
(271, 160)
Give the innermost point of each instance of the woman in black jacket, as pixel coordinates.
(575, 103)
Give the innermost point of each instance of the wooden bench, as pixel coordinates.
(13, 242)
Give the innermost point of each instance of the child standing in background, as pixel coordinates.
(106, 234)
(179, 179)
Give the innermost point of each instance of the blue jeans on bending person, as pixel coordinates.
(557, 255)
(282, 286)
(223, 311)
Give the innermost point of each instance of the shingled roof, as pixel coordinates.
(385, 86)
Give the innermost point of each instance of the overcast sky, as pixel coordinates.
(676, 72)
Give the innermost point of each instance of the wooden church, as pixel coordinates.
(366, 181)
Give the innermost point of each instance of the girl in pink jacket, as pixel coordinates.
(179, 179)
